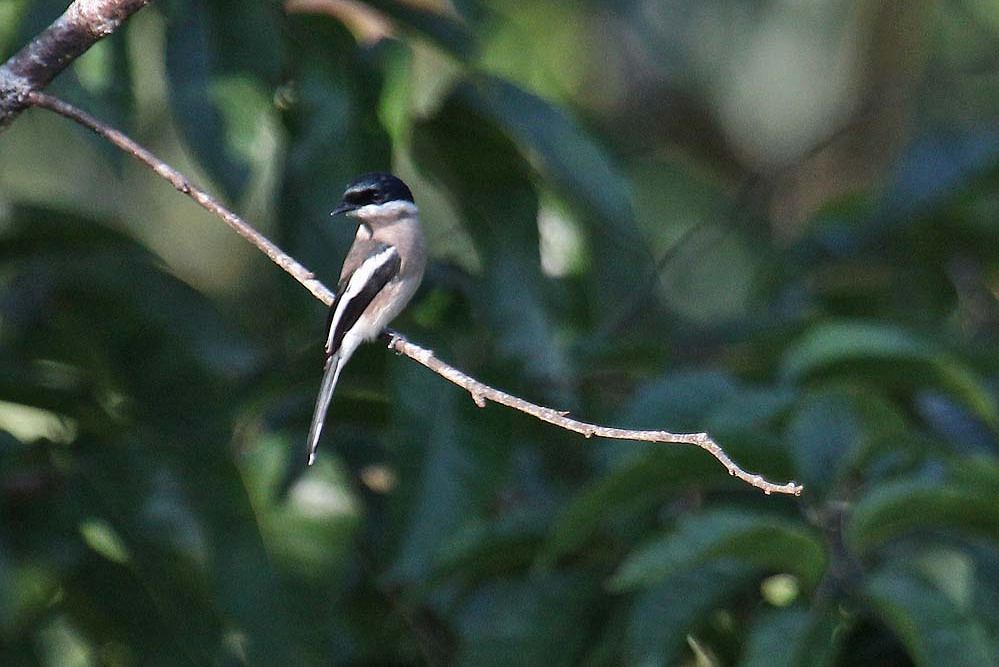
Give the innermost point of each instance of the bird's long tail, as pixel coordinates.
(330, 376)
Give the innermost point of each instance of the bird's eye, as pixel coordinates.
(360, 196)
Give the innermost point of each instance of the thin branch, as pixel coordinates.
(82, 24)
(480, 393)
(179, 181)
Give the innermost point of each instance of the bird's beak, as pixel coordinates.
(343, 207)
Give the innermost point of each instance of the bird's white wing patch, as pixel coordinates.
(355, 285)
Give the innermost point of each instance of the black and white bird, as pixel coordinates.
(379, 276)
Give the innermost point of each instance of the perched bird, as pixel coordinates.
(379, 276)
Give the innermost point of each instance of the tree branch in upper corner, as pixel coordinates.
(480, 392)
(33, 67)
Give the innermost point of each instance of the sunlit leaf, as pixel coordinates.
(311, 529)
(102, 538)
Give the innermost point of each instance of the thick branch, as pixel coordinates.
(52, 50)
(480, 393)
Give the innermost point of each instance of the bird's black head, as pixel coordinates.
(373, 188)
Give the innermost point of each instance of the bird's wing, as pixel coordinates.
(381, 263)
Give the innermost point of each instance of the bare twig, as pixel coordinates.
(82, 24)
(179, 181)
(480, 393)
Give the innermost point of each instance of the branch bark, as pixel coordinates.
(480, 392)
(33, 67)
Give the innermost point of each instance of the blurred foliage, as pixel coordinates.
(776, 221)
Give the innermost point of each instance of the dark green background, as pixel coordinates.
(776, 221)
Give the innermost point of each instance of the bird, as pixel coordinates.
(380, 274)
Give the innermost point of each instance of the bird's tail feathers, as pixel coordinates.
(330, 377)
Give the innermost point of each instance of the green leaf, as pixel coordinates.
(749, 408)
(436, 486)
(491, 185)
(824, 431)
(154, 349)
(513, 621)
(579, 169)
(639, 485)
(938, 164)
(933, 630)
(663, 615)
(484, 547)
(330, 112)
(160, 577)
(558, 148)
(10, 18)
(87, 300)
(53, 236)
(245, 38)
(99, 81)
(984, 584)
(102, 538)
(833, 343)
(190, 72)
(312, 532)
(767, 542)
(793, 637)
(890, 353)
(979, 473)
(441, 29)
(895, 508)
(644, 476)
(681, 401)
